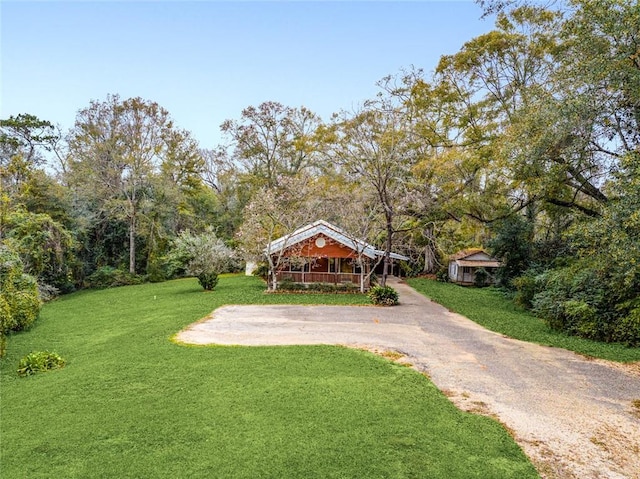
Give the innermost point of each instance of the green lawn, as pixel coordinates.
(131, 403)
(489, 308)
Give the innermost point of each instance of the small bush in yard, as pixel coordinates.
(110, 277)
(208, 280)
(480, 278)
(39, 361)
(383, 296)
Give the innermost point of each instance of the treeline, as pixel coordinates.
(525, 142)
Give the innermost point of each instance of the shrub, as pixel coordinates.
(208, 280)
(526, 287)
(627, 330)
(383, 296)
(19, 299)
(480, 277)
(442, 275)
(202, 256)
(39, 361)
(109, 277)
(48, 292)
(287, 284)
(262, 271)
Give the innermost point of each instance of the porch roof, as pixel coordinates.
(479, 264)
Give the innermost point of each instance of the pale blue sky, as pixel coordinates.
(205, 61)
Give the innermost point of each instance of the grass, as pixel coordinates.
(130, 403)
(491, 309)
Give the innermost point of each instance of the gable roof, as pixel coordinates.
(466, 252)
(331, 231)
(465, 258)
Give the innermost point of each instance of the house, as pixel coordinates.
(464, 264)
(323, 253)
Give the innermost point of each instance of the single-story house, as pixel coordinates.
(324, 253)
(464, 264)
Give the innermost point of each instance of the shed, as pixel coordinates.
(464, 264)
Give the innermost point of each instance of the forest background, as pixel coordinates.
(525, 142)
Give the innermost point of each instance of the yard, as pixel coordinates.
(130, 403)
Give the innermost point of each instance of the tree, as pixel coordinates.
(357, 210)
(116, 148)
(203, 256)
(272, 141)
(372, 146)
(46, 248)
(22, 141)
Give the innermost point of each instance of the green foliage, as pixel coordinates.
(627, 330)
(289, 285)
(442, 275)
(39, 361)
(45, 246)
(203, 256)
(480, 278)
(19, 299)
(596, 295)
(383, 296)
(262, 271)
(208, 280)
(110, 277)
(526, 288)
(512, 245)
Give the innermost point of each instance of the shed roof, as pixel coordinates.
(466, 252)
(331, 231)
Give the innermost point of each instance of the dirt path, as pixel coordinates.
(573, 417)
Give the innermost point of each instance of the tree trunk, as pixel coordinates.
(387, 252)
(132, 244)
(429, 253)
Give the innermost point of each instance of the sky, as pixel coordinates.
(205, 61)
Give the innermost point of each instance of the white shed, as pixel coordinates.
(464, 264)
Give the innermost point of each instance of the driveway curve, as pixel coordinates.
(574, 417)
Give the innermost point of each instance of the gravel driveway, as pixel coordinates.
(574, 417)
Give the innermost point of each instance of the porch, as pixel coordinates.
(320, 277)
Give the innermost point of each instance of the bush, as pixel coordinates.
(480, 277)
(109, 277)
(442, 275)
(383, 296)
(159, 270)
(287, 284)
(200, 255)
(47, 292)
(208, 280)
(262, 271)
(39, 361)
(627, 330)
(19, 298)
(526, 288)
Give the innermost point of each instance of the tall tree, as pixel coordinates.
(372, 145)
(116, 147)
(272, 140)
(23, 138)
